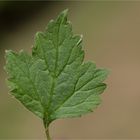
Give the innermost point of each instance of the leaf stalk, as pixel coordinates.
(47, 133)
(46, 129)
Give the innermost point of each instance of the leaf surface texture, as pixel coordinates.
(54, 82)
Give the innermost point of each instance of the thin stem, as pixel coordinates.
(46, 129)
(47, 134)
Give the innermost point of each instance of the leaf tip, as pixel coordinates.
(8, 51)
(107, 71)
(65, 12)
(62, 17)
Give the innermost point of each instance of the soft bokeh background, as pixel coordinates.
(111, 33)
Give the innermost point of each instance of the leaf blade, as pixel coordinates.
(54, 82)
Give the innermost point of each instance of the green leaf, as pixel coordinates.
(54, 82)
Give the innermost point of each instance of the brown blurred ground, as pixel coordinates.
(111, 33)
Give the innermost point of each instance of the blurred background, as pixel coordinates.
(111, 33)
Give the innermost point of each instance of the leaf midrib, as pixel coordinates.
(54, 76)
